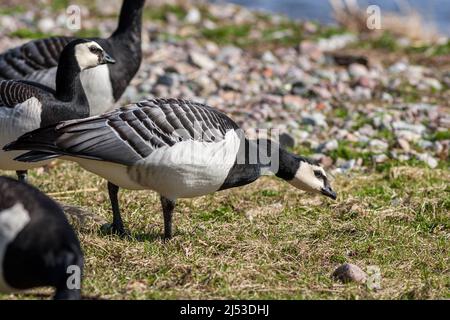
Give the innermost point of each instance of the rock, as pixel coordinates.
(346, 60)
(315, 119)
(336, 42)
(430, 83)
(350, 273)
(428, 159)
(201, 61)
(378, 145)
(404, 144)
(166, 80)
(324, 160)
(366, 82)
(345, 166)
(311, 50)
(357, 70)
(398, 67)
(328, 146)
(380, 158)
(293, 103)
(387, 97)
(46, 25)
(402, 125)
(268, 57)
(193, 16)
(299, 88)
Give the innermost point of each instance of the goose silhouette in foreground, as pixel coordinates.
(37, 60)
(26, 105)
(38, 247)
(178, 148)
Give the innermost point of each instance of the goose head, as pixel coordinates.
(304, 174)
(312, 178)
(90, 54)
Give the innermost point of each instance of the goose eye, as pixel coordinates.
(94, 49)
(318, 174)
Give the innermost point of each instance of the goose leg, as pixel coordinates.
(63, 293)
(168, 206)
(117, 224)
(22, 175)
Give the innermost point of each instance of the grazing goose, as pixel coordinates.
(38, 247)
(37, 60)
(25, 106)
(177, 148)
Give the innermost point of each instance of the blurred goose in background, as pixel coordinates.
(25, 105)
(38, 247)
(37, 60)
(177, 148)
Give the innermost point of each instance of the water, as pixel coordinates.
(435, 12)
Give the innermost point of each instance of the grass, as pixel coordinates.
(268, 240)
(29, 34)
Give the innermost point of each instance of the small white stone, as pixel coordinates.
(194, 16)
(46, 25)
(201, 61)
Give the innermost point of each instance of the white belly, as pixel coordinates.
(97, 86)
(115, 173)
(12, 221)
(15, 122)
(189, 168)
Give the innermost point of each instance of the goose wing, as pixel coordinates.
(129, 134)
(15, 92)
(35, 60)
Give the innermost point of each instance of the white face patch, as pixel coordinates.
(305, 179)
(12, 221)
(85, 58)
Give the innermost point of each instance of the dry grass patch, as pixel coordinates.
(397, 220)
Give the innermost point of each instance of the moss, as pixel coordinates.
(29, 34)
(58, 5)
(12, 10)
(88, 33)
(160, 12)
(234, 34)
(441, 135)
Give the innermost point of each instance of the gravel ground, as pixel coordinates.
(347, 111)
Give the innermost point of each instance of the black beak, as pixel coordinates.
(108, 59)
(329, 193)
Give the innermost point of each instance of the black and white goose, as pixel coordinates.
(25, 106)
(177, 148)
(37, 60)
(38, 247)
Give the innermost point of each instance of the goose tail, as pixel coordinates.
(40, 144)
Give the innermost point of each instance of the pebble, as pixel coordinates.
(428, 159)
(350, 273)
(46, 25)
(193, 16)
(201, 61)
(404, 144)
(357, 70)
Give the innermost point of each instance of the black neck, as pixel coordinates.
(130, 21)
(68, 84)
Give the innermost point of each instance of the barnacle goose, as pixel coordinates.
(177, 148)
(37, 60)
(25, 106)
(38, 247)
